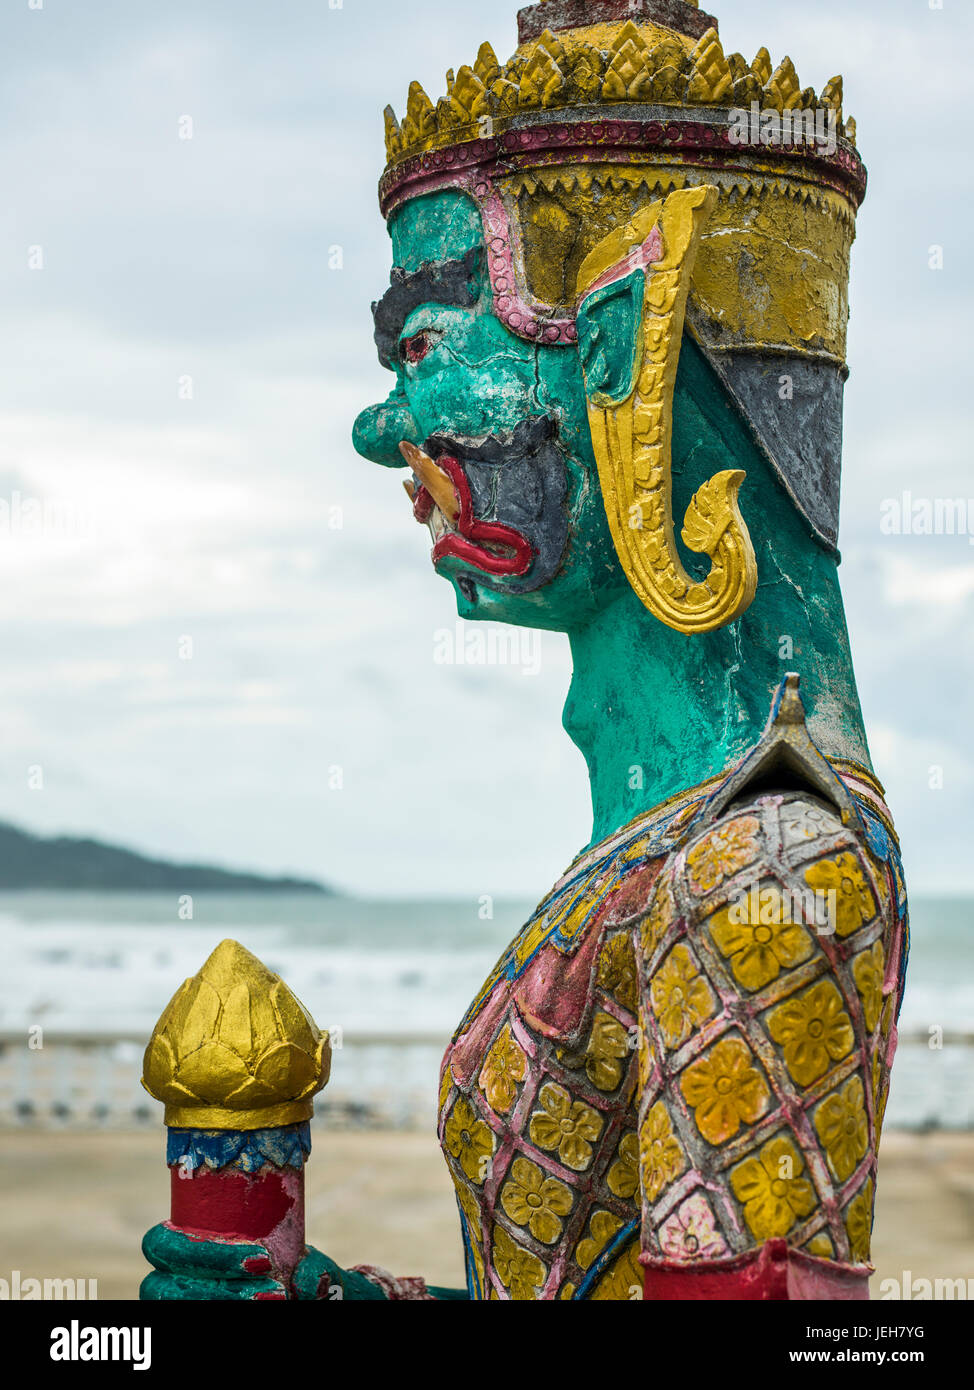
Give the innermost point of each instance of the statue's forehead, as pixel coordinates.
(438, 227)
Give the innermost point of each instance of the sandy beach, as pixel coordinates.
(75, 1205)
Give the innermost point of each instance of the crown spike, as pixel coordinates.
(783, 90)
(761, 66)
(711, 80)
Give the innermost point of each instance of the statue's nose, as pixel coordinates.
(378, 430)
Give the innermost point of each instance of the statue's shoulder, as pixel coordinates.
(777, 844)
(787, 845)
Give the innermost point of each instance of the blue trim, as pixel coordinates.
(605, 1259)
(877, 837)
(881, 843)
(246, 1150)
(473, 1287)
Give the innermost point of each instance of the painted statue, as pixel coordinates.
(619, 299)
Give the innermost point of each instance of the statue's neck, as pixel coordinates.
(655, 712)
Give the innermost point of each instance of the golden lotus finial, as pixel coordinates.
(234, 1049)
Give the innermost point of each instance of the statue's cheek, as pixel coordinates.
(468, 395)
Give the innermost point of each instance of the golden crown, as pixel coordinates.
(597, 63)
(610, 105)
(235, 1050)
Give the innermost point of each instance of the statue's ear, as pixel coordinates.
(608, 323)
(609, 312)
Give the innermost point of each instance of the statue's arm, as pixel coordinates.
(769, 979)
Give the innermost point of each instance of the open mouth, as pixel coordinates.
(441, 500)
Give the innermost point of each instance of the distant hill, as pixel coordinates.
(29, 861)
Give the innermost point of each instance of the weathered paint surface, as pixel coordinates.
(579, 1173)
(628, 708)
(535, 421)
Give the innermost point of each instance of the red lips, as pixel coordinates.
(487, 545)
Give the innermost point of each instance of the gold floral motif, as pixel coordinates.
(813, 1030)
(623, 1281)
(521, 1273)
(868, 970)
(565, 1126)
(537, 1201)
(723, 853)
(682, 998)
(725, 1090)
(821, 1245)
(772, 1190)
(602, 1227)
(623, 1177)
(567, 1290)
(607, 1046)
(854, 900)
(617, 970)
(859, 1223)
(760, 951)
(505, 1066)
(469, 1140)
(657, 921)
(661, 1157)
(841, 1124)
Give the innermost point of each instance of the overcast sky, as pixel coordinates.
(215, 517)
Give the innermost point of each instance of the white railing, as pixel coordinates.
(379, 1080)
(93, 1081)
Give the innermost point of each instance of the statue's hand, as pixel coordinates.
(186, 1267)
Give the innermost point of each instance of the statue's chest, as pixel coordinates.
(538, 1126)
(537, 1112)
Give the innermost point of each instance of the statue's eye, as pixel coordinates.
(415, 347)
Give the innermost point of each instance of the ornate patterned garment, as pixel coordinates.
(680, 1064)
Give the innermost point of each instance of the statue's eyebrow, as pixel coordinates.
(435, 282)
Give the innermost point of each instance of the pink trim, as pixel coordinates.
(613, 142)
(639, 259)
(473, 166)
(526, 317)
(774, 1273)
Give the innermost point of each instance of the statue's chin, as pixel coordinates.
(466, 589)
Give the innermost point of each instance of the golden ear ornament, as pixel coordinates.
(632, 435)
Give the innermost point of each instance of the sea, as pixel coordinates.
(84, 976)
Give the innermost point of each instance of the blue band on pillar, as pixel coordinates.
(287, 1146)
